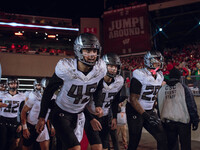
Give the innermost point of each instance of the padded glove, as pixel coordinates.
(151, 119)
(195, 126)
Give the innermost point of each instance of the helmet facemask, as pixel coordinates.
(89, 59)
(113, 75)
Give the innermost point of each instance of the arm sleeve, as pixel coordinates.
(123, 98)
(20, 110)
(191, 105)
(135, 86)
(115, 104)
(53, 85)
(30, 102)
(97, 96)
(88, 115)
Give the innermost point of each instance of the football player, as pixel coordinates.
(79, 78)
(97, 129)
(32, 107)
(9, 127)
(145, 84)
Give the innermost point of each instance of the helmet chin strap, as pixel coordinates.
(154, 71)
(13, 89)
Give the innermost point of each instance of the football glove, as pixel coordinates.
(154, 121)
(195, 126)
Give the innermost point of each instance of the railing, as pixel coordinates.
(193, 82)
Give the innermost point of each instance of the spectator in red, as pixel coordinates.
(166, 72)
(169, 66)
(183, 70)
(127, 86)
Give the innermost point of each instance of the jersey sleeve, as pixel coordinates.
(31, 100)
(104, 67)
(121, 82)
(136, 85)
(61, 69)
(2, 93)
(27, 94)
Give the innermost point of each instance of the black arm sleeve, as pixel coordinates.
(115, 104)
(88, 115)
(20, 110)
(135, 86)
(123, 98)
(53, 85)
(97, 96)
(191, 105)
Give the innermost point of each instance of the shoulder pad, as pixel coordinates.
(63, 66)
(101, 66)
(119, 79)
(138, 74)
(161, 73)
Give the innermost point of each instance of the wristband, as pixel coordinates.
(24, 126)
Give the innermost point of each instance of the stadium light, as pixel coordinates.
(14, 24)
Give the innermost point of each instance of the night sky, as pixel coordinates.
(73, 9)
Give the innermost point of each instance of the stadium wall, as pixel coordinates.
(28, 65)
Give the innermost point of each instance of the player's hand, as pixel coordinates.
(53, 132)
(40, 125)
(114, 124)
(151, 119)
(195, 126)
(99, 112)
(26, 133)
(19, 129)
(96, 125)
(3, 105)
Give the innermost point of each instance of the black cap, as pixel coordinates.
(175, 74)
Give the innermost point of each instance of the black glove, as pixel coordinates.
(151, 119)
(195, 126)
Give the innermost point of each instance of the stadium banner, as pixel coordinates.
(127, 30)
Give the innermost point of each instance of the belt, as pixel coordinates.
(168, 121)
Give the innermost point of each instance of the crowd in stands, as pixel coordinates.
(184, 58)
